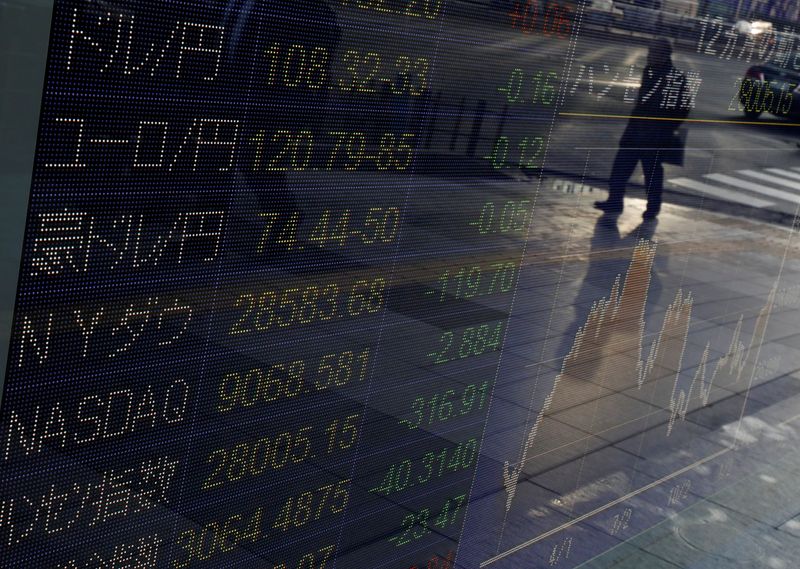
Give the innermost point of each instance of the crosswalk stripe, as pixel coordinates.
(722, 193)
(755, 187)
(784, 173)
(771, 179)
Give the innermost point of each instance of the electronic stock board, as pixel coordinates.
(271, 252)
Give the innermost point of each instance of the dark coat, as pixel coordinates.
(664, 100)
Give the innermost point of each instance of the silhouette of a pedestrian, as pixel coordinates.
(650, 137)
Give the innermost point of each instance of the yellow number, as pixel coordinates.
(249, 301)
(186, 542)
(238, 463)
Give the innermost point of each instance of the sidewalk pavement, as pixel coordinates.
(766, 194)
(695, 468)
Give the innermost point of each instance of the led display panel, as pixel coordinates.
(304, 284)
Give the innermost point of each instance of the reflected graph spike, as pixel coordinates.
(619, 317)
(738, 366)
(666, 353)
(608, 352)
(680, 403)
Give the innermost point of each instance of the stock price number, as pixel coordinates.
(470, 342)
(311, 506)
(430, 9)
(469, 282)
(251, 459)
(417, 525)
(312, 560)
(394, 151)
(304, 305)
(538, 88)
(265, 385)
(300, 151)
(358, 71)
(217, 538)
(379, 226)
(508, 217)
(438, 562)
(364, 72)
(450, 404)
(432, 466)
(525, 154)
(755, 96)
(551, 19)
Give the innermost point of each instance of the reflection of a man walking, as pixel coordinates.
(650, 137)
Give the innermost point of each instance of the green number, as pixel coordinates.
(499, 155)
(446, 406)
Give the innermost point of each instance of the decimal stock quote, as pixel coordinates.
(262, 297)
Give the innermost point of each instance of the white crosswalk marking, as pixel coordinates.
(768, 188)
(756, 187)
(785, 173)
(772, 179)
(721, 193)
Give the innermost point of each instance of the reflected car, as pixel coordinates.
(771, 87)
(673, 18)
(602, 13)
(753, 29)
